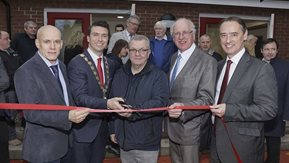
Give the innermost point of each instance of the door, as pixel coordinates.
(70, 24)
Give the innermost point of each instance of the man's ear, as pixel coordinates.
(37, 43)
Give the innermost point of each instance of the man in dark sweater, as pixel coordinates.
(24, 43)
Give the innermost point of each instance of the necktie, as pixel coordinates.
(99, 71)
(225, 81)
(175, 70)
(56, 74)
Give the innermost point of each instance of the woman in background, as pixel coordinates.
(73, 46)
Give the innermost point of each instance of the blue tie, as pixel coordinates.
(175, 70)
(56, 74)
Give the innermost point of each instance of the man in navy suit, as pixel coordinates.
(46, 136)
(275, 128)
(90, 75)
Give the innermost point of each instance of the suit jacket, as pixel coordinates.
(251, 99)
(87, 93)
(116, 36)
(194, 85)
(46, 134)
(276, 126)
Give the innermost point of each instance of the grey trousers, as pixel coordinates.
(139, 156)
(184, 153)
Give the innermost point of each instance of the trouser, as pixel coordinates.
(184, 153)
(4, 151)
(139, 156)
(273, 149)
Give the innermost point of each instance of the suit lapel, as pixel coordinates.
(46, 73)
(238, 74)
(193, 60)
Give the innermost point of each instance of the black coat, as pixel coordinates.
(276, 126)
(147, 89)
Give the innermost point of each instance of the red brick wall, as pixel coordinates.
(3, 23)
(148, 12)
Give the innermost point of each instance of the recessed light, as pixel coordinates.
(120, 17)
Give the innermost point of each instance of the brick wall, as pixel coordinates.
(148, 11)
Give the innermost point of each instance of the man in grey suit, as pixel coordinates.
(132, 24)
(246, 96)
(192, 82)
(43, 80)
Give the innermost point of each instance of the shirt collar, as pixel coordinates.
(163, 38)
(93, 55)
(236, 58)
(187, 53)
(47, 62)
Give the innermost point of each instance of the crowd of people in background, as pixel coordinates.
(247, 97)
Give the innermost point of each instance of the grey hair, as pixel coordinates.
(188, 21)
(26, 23)
(160, 24)
(140, 38)
(133, 17)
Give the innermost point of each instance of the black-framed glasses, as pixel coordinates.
(140, 51)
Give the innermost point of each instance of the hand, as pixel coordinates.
(175, 113)
(125, 114)
(78, 115)
(114, 104)
(218, 110)
(113, 138)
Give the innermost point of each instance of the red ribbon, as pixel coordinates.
(14, 106)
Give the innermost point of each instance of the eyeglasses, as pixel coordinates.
(135, 24)
(140, 51)
(185, 34)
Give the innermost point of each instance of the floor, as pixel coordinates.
(166, 159)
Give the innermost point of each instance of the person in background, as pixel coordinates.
(143, 86)
(24, 43)
(132, 25)
(275, 128)
(11, 62)
(74, 46)
(162, 47)
(43, 80)
(246, 97)
(90, 76)
(205, 44)
(119, 28)
(4, 133)
(192, 82)
(250, 44)
(119, 50)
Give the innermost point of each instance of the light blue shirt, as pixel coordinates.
(61, 78)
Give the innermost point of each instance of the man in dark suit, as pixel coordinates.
(275, 128)
(43, 80)
(192, 82)
(90, 75)
(246, 96)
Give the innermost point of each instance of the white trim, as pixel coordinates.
(209, 15)
(243, 3)
(90, 11)
(269, 19)
(271, 26)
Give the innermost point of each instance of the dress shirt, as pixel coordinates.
(163, 38)
(61, 78)
(94, 58)
(235, 59)
(185, 57)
